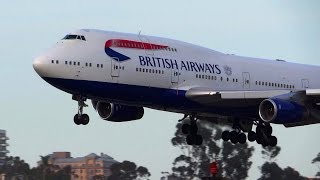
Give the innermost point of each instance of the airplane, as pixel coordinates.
(122, 73)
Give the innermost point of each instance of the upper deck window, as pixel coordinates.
(73, 36)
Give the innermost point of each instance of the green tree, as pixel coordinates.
(128, 171)
(317, 160)
(14, 167)
(48, 171)
(270, 170)
(194, 162)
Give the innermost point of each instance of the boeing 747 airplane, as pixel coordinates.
(123, 73)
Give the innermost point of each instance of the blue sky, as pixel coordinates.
(38, 117)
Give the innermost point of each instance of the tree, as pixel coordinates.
(98, 177)
(128, 171)
(194, 162)
(48, 171)
(317, 160)
(270, 169)
(14, 167)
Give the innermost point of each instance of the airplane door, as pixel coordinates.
(174, 76)
(246, 80)
(305, 83)
(115, 67)
(146, 45)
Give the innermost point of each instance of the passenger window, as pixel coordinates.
(74, 63)
(66, 62)
(78, 63)
(78, 37)
(52, 61)
(82, 37)
(101, 65)
(97, 65)
(57, 62)
(227, 79)
(86, 64)
(70, 63)
(221, 78)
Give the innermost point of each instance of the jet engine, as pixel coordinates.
(280, 111)
(118, 113)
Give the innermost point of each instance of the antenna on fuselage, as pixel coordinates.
(139, 32)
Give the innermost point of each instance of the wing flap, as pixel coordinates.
(206, 95)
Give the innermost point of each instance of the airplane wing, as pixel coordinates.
(205, 95)
(310, 99)
(210, 96)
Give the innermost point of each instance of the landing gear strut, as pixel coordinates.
(80, 118)
(191, 130)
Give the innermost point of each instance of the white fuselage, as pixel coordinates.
(157, 72)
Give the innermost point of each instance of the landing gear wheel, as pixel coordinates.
(190, 140)
(85, 119)
(198, 140)
(252, 136)
(234, 137)
(185, 128)
(273, 141)
(242, 138)
(267, 130)
(76, 119)
(259, 139)
(193, 128)
(225, 135)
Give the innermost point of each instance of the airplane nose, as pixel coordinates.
(38, 65)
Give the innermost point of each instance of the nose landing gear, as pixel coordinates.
(80, 118)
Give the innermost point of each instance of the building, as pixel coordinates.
(3, 146)
(83, 168)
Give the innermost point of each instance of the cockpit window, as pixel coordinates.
(70, 36)
(73, 36)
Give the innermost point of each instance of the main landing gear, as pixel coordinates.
(80, 118)
(191, 130)
(262, 135)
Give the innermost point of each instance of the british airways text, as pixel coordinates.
(183, 65)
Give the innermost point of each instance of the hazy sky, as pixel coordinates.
(39, 118)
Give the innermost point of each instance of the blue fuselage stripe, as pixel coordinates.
(158, 98)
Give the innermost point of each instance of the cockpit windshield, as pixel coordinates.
(73, 36)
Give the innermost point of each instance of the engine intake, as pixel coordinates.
(281, 111)
(118, 113)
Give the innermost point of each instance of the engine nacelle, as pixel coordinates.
(118, 113)
(281, 111)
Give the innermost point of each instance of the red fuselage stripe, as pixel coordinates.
(132, 44)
